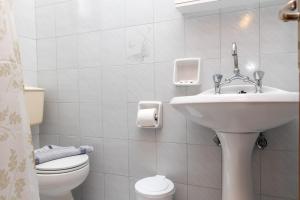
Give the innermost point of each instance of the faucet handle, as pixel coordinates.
(258, 75)
(217, 78)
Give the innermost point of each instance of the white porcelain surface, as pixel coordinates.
(232, 112)
(237, 119)
(67, 182)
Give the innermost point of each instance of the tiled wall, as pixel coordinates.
(98, 58)
(25, 25)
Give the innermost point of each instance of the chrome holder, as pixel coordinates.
(289, 12)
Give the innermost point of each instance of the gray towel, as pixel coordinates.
(52, 152)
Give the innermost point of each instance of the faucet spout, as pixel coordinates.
(258, 75)
(235, 58)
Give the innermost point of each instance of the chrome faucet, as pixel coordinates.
(235, 58)
(257, 75)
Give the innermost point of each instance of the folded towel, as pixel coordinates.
(52, 152)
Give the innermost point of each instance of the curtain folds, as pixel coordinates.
(17, 174)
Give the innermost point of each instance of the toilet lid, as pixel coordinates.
(64, 163)
(157, 186)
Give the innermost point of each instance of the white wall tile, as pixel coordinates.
(45, 22)
(139, 12)
(89, 15)
(116, 187)
(208, 69)
(204, 168)
(97, 156)
(198, 134)
(142, 159)
(169, 40)
(164, 87)
(114, 103)
(202, 37)
(89, 82)
(46, 54)
(116, 158)
(25, 18)
(276, 35)
(68, 116)
(47, 79)
(40, 3)
(65, 18)
(140, 44)
(281, 71)
(48, 139)
(278, 178)
(69, 141)
(88, 49)
(50, 119)
(112, 14)
(140, 82)
(67, 85)
(90, 120)
(30, 78)
(272, 198)
(113, 47)
(196, 193)
(236, 27)
(172, 161)
(93, 187)
(174, 126)
(28, 53)
(284, 137)
(66, 52)
(165, 10)
(181, 192)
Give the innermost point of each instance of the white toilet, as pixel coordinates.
(58, 178)
(155, 188)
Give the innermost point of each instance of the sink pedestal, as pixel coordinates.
(237, 181)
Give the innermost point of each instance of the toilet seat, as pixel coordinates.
(63, 165)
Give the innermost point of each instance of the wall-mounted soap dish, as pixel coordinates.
(187, 71)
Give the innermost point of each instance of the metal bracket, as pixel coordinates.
(261, 141)
(217, 141)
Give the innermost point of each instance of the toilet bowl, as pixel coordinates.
(58, 178)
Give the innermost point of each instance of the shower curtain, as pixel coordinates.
(17, 174)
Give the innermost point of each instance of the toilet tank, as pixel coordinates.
(34, 99)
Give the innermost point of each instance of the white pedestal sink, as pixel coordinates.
(238, 119)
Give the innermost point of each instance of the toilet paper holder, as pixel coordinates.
(158, 116)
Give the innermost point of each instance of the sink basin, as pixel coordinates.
(238, 115)
(233, 112)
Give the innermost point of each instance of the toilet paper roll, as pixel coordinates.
(146, 117)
